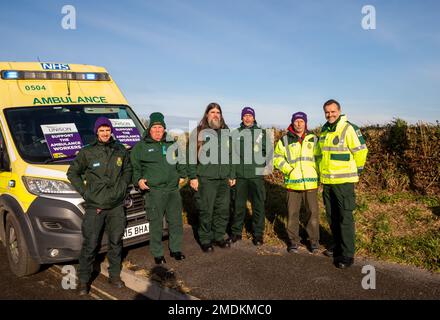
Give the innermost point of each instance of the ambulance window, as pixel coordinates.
(25, 124)
(4, 157)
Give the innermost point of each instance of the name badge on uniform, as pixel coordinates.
(96, 164)
(164, 150)
(119, 162)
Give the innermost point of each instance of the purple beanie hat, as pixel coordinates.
(247, 110)
(103, 121)
(299, 115)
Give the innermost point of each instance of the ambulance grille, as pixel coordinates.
(137, 205)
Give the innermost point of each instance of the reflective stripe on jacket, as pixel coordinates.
(297, 161)
(342, 152)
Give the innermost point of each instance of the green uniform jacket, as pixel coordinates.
(255, 140)
(101, 173)
(210, 162)
(149, 160)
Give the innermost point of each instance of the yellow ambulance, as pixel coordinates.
(47, 113)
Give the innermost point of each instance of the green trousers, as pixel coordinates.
(160, 203)
(213, 200)
(252, 189)
(113, 221)
(340, 201)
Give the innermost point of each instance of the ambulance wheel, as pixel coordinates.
(20, 262)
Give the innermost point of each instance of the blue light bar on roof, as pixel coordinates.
(90, 76)
(54, 75)
(10, 75)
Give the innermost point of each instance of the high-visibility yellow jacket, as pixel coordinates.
(342, 152)
(297, 161)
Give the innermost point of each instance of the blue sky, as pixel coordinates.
(279, 57)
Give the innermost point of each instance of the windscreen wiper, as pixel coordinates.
(50, 160)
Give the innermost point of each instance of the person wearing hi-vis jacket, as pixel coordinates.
(295, 158)
(343, 156)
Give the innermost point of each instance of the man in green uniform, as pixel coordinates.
(101, 173)
(211, 176)
(343, 156)
(248, 140)
(158, 175)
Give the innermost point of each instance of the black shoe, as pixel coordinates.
(257, 241)
(329, 252)
(116, 282)
(160, 260)
(222, 244)
(83, 289)
(177, 255)
(292, 248)
(314, 248)
(207, 247)
(234, 238)
(345, 262)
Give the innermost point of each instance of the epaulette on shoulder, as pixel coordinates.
(355, 127)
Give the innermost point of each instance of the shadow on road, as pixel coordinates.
(275, 209)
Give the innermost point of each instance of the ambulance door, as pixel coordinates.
(5, 165)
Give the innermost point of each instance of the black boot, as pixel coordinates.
(257, 241)
(160, 260)
(177, 255)
(234, 238)
(344, 262)
(207, 247)
(222, 244)
(116, 282)
(83, 289)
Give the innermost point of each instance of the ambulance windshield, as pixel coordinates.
(56, 134)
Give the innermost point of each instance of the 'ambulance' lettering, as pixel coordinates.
(61, 100)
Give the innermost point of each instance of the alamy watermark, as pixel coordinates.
(69, 280)
(369, 281)
(225, 147)
(68, 22)
(369, 20)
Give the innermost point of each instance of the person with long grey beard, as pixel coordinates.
(211, 177)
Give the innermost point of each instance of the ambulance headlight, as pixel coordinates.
(40, 186)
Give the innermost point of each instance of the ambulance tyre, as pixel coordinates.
(20, 262)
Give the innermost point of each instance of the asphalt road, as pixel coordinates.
(241, 272)
(247, 272)
(47, 285)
